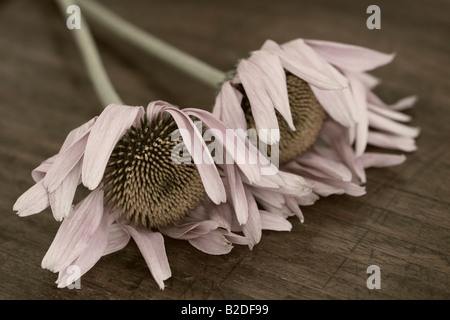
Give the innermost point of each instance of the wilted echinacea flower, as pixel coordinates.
(141, 189)
(318, 93)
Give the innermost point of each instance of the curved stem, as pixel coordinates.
(92, 60)
(150, 44)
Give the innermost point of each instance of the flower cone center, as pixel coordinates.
(147, 183)
(307, 114)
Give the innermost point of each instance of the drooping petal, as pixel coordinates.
(390, 141)
(252, 78)
(77, 134)
(274, 222)
(89, 257)
(151, 245)
(212, 243)
(299, 59)
(237, 146)
(197, 148)
(33, 201)
(237, 193)
(252, 229)
(379, 160)
(109, 128)
(75, 233)
(389, 113)
(274, 82)
(292, 204)
(379, 122)
(228, 107)
(61, 199)
(118, 238)
(362, 126)
(40, 171)
(329, 167)
(350, 57)
(189, 230)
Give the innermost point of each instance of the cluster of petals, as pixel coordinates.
(338, 75)
(91, 229)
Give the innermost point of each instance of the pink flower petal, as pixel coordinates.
(189, 230)
(393, 142)
(40, 171)
(75, 233)
(151, 245)
(197, 148)
(379, 160)
(292, 204)
(404, 103)
(77, 134)
(237, 147)
(228, 101)
(33, 201)
(274, 222)
(89, 257)
(252, 78)
(252, 229)
(109, 128)
(307, 200)
(362, 126)
(329, 167)
(237, 193)
(118, 238)
(379, 122)
(274, 82)
(297, 58)
(212, 243)
(389, 113)
(350, 57)
(61, 199)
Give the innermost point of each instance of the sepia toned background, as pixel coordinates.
(401, 225)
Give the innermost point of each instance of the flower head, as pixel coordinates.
(150, 173)
(318, 94)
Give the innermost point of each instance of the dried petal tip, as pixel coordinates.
(143, 180)
(307, 114)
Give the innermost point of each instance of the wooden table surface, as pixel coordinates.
(401, 225)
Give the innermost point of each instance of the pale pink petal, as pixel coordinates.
(77, 134)
(252, 78)
(390, 141)
(389, 113)
(235, 238)
(369, 80)
(337, 187)
(40, 171)
(379, 160)
(362, 126)
(307, 200)
(336, 103)
(189, 230)
(197, 148)
(118, 238)
(61, 199)
(237, 146)
(404, 103)
(89, 257)
(228, 107)
(381, 123)
(75, 232)
(303, 62)
(274, 83)
(212, 243)
(33, 201)
(64, 164)
(109, 128)
(237, 193)
(350, 57)
(275, 198)
(252, 229)
(223, 215)
(329, 167)
(323, 189)
(274, 222)
(151, 245)
(292, 205)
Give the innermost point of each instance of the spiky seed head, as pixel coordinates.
(307, 114)
(145, 182)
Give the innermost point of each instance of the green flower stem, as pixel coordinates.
(152, 45)
(91, 58)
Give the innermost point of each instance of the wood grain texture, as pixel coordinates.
(402, 224)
